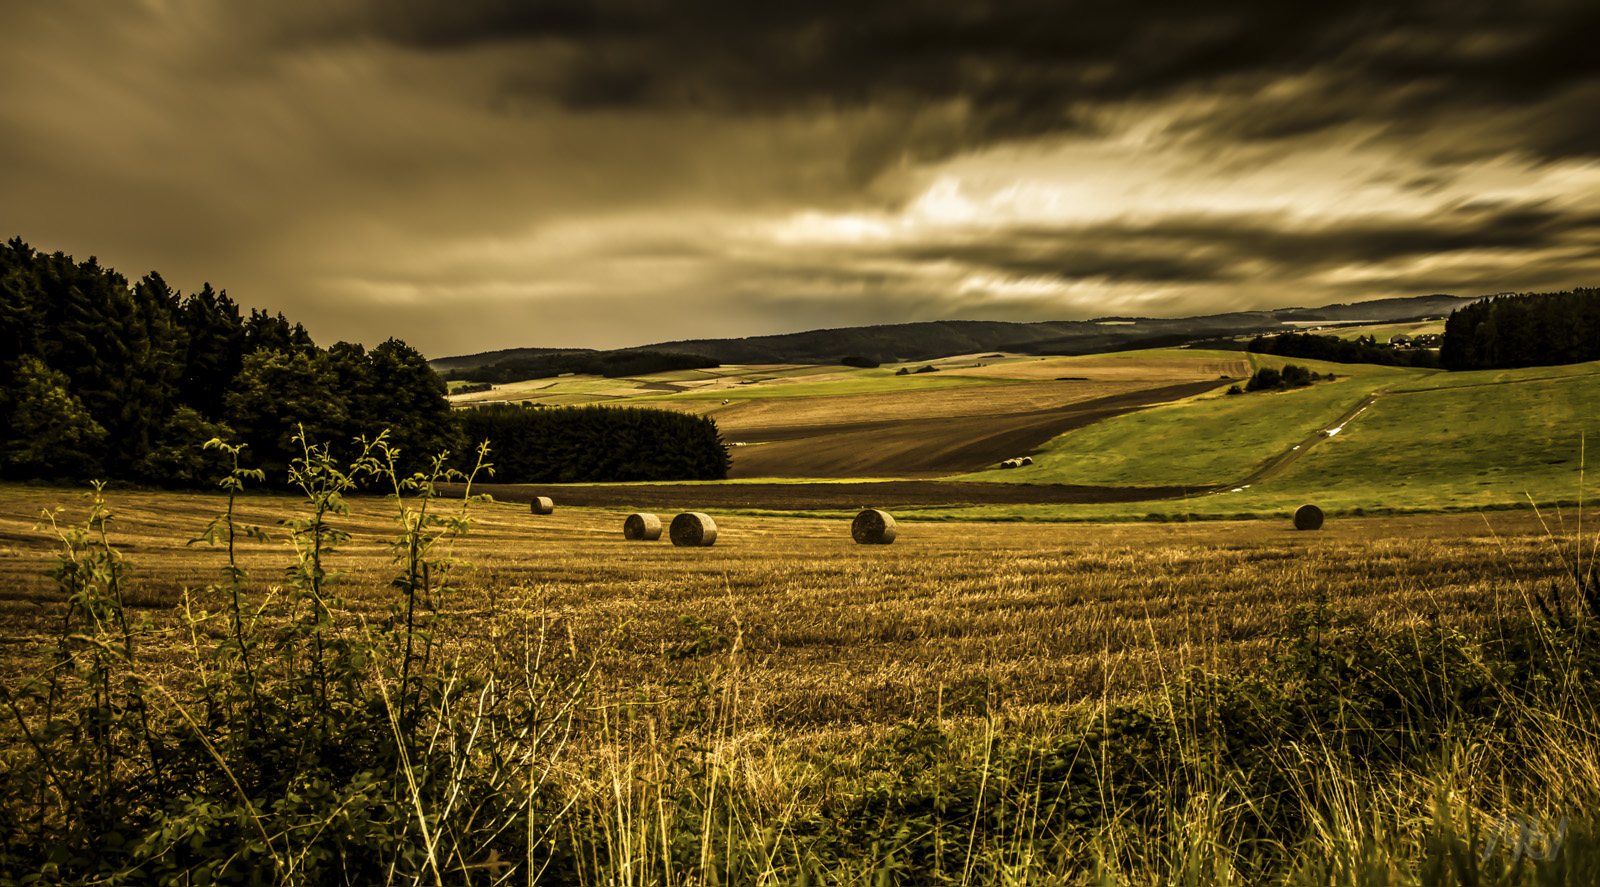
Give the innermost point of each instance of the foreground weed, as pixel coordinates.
(309, 748)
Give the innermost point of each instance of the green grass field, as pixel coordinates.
(1460, 447)
(1475, 378)
(1433, 442)
(1214, 439)
(1384, 332)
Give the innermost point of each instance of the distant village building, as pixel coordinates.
(1420, 340)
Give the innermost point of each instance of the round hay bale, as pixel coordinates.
(693, 529)
(873, 527)
(1025, 460)
(1308, 517)
(1009, 463)
(641, 527)
(543, 505)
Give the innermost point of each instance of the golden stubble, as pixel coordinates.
(802, 632)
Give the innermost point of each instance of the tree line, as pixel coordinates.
(1363, 349)
(1523, 330)
(100, 378)
(103, 378)
(612, 364)
(597, 443)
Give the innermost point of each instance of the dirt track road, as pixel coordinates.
(1280, 463)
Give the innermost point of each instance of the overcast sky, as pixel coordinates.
(480, 174)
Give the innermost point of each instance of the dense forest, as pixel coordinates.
(1364, 349)
(103, 379)
(1522, 330)
(595, 443)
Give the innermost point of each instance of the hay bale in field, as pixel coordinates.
(693, 529)
(1308, 517)
(873, 527)
(641, 527)
(543, 505)
(1009, 463)
(1025, 460)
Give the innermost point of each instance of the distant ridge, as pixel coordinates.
(468, 361)
(940, 338)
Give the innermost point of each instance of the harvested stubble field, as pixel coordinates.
(827, 636)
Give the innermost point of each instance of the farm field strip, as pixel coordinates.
(1384, 332)
(988, 400)
(860, 382)
(930, 447)
(1144, 366)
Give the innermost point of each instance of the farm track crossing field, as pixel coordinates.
(829, 635)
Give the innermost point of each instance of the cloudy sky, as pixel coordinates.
(480, 174)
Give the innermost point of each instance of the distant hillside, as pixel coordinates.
(886, 343)
(485, 358)
(931, 339)
(1384, 310)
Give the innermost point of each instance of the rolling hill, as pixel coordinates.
(934, 339)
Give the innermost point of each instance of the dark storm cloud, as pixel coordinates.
(607, 172)
(1026, 68)
(1148, 256)
(1216, 249)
